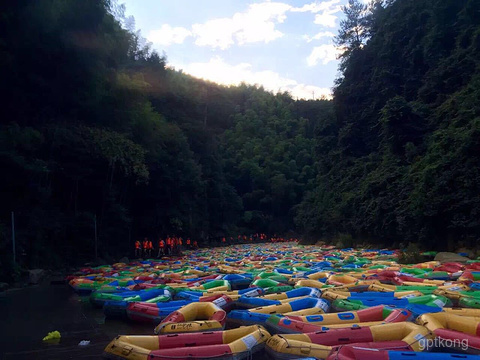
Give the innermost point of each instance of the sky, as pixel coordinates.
(282, 45)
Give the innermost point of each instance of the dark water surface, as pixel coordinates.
(28, 314)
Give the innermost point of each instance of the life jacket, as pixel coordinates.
(195, 243)
(180, 242)
(169, 241)
(150, 245)
(223, 240)
(188, 241)
(161, 244)
(137, 244)
(145, 244)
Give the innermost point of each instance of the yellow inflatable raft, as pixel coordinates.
(451, 321)
(234, 344)
(194, 317)
(397, 336)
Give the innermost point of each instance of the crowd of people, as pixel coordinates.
(175, 244)
(170, 246)
(254, 238)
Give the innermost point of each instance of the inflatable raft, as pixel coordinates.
(275, 299)
(294, 291)
(194, 317)
(326, 344)
(462, 332)
(234, 344)
(366, 317)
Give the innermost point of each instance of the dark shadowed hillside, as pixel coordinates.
(400, 160)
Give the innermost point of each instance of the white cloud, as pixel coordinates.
(215, 33)
(219, 71)
(327, 19)
(320, 35)
(325, 12)
(168, 35)
(302, 91)
(325, 53)
(318, 6)
(257, 24)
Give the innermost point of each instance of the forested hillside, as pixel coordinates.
(95, 128)
(400, 161)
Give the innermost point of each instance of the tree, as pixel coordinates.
(398, 159)
(353, 32)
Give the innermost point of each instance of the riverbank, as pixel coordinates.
(31, 312)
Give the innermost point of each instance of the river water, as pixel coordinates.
(28, 314)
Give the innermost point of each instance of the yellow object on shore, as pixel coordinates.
(52, 335)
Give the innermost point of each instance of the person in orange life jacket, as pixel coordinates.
(189, 243)
(150, 248)
(161, 247)
(180, 244)
(168, 245)
(224, 241)
(177, 245)
(174, 245)
(138, 249)
(195, 244)
(145, 247)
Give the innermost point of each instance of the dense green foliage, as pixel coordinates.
(95, 126)
(400, 161)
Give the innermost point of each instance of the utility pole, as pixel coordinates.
(13, 237)
(96, 243)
